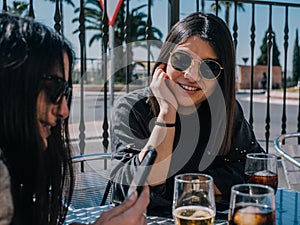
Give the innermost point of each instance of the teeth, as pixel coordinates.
(189, 88)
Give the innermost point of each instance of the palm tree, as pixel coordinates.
(19, 8)
(227, 6)
(138, 25)
(93, 19)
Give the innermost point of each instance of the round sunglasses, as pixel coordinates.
(56, 88)
(209, 69)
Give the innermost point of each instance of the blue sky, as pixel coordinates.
(45, 10)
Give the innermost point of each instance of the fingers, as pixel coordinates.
(127, 204)
(162, 66)
(130, 212)
(118, 211)
(160, 72)
(136, 214)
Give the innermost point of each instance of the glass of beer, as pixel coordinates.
(194, 199)
(252, 204)
(261, 168)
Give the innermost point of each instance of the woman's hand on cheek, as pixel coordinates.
(160, 89)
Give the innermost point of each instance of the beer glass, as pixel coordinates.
(252, 204)
(261, 168)
(194, 199)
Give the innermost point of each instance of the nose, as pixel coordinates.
(63, 109)
(192, 73)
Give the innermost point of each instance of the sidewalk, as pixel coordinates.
(276, 96)
(273, 93)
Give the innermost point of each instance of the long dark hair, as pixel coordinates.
(28, 50)
(213, 30)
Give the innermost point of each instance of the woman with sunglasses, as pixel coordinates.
(35, 156)
(189, 114)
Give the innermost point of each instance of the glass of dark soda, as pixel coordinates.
(252, 204)
(261, 168)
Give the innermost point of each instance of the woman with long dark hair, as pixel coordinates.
(189, 114)
(35, 99)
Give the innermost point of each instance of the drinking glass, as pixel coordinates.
(194, 199)
(252, 204)
(261, 168)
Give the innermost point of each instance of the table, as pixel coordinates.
(287, 211)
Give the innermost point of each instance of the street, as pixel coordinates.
(94, 108)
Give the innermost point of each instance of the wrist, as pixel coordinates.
(168, 108)
(163, 124)
(166, 117)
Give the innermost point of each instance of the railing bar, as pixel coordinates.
(148, 37)
(269, 47)
(278, 143)
(31, 10)
(128, 45)
(173, 12)
(197, 5)
(4, 8)
(104, 70)
(286, 45)
(83, 74)
(61, 16)
(90, 157)
(235, 26)
(57, 17)
(252, 43)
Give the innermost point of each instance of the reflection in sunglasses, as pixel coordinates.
(209, 69)
(56, 88)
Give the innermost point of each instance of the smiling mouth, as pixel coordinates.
(189, 88)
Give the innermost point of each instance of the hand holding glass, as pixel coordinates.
(194, 200)
(252, 204)
(261, 168)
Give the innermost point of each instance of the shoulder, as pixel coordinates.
(244, 139)
(238, 109)
(239, 117)
(136, 100)
(132, 104)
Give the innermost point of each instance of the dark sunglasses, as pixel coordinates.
(209, 69)
(56, 88)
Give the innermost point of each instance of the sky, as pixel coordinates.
(44, 12)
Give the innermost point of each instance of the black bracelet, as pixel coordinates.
(164, 124)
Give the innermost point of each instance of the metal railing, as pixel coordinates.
(278, 144)
(174, 12)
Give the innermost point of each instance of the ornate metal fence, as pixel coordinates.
(174, 12)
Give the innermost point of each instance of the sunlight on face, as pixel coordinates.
(189, 88)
